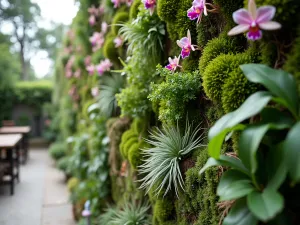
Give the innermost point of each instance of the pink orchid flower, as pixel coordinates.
(95, 91)
(69, 73)
(90, 69)
(100, 10)
(77, 73)
(129, 2)
(254, 20)
(103, 66)
(116, 3)
(118, 42)
(92, 20)
(197, 10)
(104, 27)
(88, 60)
(150, 4)
(96, 38)
(173, 63)
(186, 45)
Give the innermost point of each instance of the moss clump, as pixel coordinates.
(134, 9)
(215, 47)
(127, 135)
(128, 145)
(227, 7)
(166, 10)
(119, 18)
(200, 201)
(190, 64)
(163, 212)
(171, 28)
(72, 183)
(109, 51)
(219, 69)
(236, 90)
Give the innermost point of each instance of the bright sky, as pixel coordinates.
(59, 11)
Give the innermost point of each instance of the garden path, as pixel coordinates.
(41, 198)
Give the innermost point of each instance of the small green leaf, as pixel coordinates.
(265, 205)
(252, 106)
(278, 82)
(291, 147)
(231, 162)
(234, 185)
(240, 215)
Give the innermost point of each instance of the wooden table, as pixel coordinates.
(24, 130)
(11, 143)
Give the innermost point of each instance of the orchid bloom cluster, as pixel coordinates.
(254, 20)
(97, 41)
(117, 3)
(68, 68)
(94, 14)
(186, 46)
(150, 5)
(199, 8)
(102, 67)
(118, 42)
(77, 73)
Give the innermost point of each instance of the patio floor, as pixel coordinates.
(41, 198)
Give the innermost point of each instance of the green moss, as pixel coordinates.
(219, 69)
(190, 64)
(215, 47)
(227, 7)
(236, 90)
(171, 28)
(292, 64)
(166, 9)
(119, 18)
(134, 154)
(125, 137)
(139, 125)
(163, 212)
(268, 53)
(110, 52)
(128, 145)
(134, 9)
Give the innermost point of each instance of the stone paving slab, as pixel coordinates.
(41, 198)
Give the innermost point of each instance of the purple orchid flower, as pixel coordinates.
(197, 10)
(92, 20)
(90, 69)
(254, 20)
(173, 63)
(150, 4)
(186, 45)
(116, 3)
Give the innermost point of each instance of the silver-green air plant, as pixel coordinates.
(161, 167)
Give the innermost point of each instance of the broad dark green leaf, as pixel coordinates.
(265, 205)
(252, 106)
(240, 214)
(278, 82)
(215, 144)
(234, 185)
(277, 169)
(224, 160)
(250, 140)
(292, 152)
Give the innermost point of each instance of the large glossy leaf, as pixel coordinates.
(230, 122)
(278, 82)
(265, 205)
(277, 169)
(250, 140)
(234, 185)
(292, 152)
(240, 214)
(224, 160)
(215, 144)
(252, 106)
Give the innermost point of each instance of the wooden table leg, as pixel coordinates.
(11, 170)
(18, 161)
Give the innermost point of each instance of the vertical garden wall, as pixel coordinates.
(207, 136)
